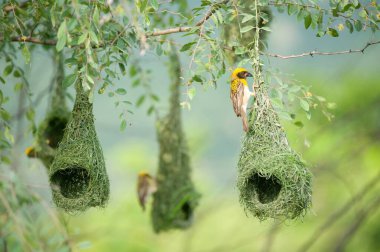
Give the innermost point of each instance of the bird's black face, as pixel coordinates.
(244, 74)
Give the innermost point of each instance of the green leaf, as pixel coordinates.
(191, 93)
(320, 34)
(132, 71)
(304, 105)
(122, 68)
(298, 124)
(247, 17)
(121, 91)
(82, 38)
(197, 78)
(123, 125)
(7, 70)
(18, 86)
(187, 46)
(17, 74)
(150, 110)
(307, 21)
(62, 36)
(331, 105)
(140, 101)
(154, 97)
(30, 114)
(358, 25)
(154, 4)
(143, 4)
(93, 37)
(320, 98)
(349, 26)
(69, 80)
(26, 54)
(292, 9)
(332, 32)
(8, 135)
(246, 29)
(2, 80)
(266, 28)
(285, 115)
(96, 15)
(363, 13)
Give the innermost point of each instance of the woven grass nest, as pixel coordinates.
(175, 200)
(50, 131)
(273, 181)
(77, 175)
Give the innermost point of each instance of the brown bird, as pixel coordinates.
(146, 186)
(240, 94)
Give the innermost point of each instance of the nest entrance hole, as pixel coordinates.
(267, 189)
(72, 182)
(187, 211)
(54, 131)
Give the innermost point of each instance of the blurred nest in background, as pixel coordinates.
(176, 198)
(51, 129)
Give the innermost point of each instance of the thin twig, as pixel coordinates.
(151, 34)
(359, 220)
(271, 236)
(339, 214)
(313, 53)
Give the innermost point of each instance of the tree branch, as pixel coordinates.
(359, 220)
(214, 8)
(312, 53)
(207, 16)
(339, 213)
(32, 40)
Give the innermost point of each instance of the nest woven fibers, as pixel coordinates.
(175, 199)
(78, 175)
(50, 131)
(272, 179)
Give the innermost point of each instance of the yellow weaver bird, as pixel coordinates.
(240, 94)
(146, 185)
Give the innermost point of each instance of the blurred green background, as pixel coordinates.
(343, 155)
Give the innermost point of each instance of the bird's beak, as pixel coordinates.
(248, 75)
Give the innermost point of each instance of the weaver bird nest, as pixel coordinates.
(175, 199)
(273, 180)
(78, 175)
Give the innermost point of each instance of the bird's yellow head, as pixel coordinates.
(30, 151)
(240, 73)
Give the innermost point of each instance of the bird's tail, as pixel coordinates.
(245, 121)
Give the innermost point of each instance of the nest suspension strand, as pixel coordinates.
(78, 175)
(175, 199)
(50, 131)
(272, 179)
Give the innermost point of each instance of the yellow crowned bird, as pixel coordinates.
(240, 94)
(146, 186)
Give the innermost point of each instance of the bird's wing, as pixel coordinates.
(237, 97)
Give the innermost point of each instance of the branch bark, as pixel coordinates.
(312, 53)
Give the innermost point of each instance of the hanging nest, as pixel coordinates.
(78, 175)
(272, 179)
(50, 131)
(175, 199)
(231, 31)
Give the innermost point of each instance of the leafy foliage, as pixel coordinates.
(105, 40)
